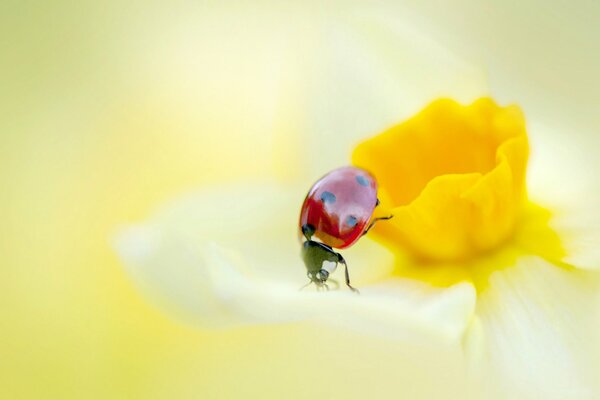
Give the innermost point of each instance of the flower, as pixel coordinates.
(453, 173)
(512, 289)
(233, 268)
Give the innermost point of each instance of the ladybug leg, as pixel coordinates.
(374, 221)
(322, 286)
(341, 260)
(309, 282)
(336, 283)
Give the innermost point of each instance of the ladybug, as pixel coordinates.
(337, 210)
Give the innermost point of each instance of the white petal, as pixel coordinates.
(372, 70)
(535, 334)
(239, 263)
(563, 177)
(579, 230)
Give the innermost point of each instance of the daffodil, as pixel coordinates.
(478, 263)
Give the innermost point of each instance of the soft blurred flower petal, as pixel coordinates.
(214, 267)
(371, 70)
(580, 235)
(535, 333)
(563, 176)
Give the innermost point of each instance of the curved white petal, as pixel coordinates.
(535, 333)
(240, 264)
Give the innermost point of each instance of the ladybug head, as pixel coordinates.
(320, 261)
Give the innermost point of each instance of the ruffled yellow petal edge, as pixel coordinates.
(453, 176)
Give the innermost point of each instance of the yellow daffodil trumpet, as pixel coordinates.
(453, 177)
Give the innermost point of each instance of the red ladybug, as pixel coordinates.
(338, 210)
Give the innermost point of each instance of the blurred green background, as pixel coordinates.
(108, 109)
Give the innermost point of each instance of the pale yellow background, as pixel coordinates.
(109, 109)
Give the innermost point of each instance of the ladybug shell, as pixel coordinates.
(340, 205)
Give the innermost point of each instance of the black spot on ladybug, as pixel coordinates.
(362, 180)
(351, 221)
(328, 197)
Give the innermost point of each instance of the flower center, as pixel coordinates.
(453, 176)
